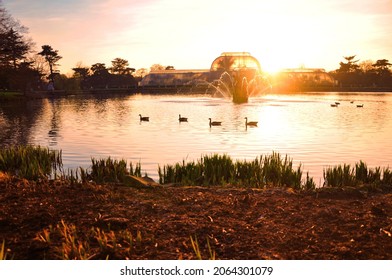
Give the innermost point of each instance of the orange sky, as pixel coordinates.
(191, 34)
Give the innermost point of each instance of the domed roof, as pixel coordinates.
(232, 61)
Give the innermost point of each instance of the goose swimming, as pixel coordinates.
(182, 119)
(144, 119)
(250, 123)
(214, 123)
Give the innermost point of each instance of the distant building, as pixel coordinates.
(175, 77)
(298, 78)
(227, 61)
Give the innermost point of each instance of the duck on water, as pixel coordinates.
(214, 123)
(250, 123)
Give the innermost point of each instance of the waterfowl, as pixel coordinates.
(214, 123)
(182, 119)
(144, 119)
(334, 105)
(352, 101)
(337, 103)
(250, 123)
(360, 105)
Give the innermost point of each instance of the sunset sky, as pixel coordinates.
(191, 34)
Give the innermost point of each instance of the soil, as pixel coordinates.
(238, 223)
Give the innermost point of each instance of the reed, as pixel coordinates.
(387, 177)
(359, 175)
(69, 243)
(279, 172)
(309, 183)
(110, 170)
(222, 170)
(197, 250)
(3, 252)
(30, 162)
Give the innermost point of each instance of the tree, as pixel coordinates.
(157, 67)
(99, 69)
(13, 48)
(100, 77)
(350, 66)
(382, 66)
(81, 75)
(384, 75)
(366, 66)
(15, 69)
(120, 67)
(51, 57)
(13, 45)
(140, 73)
(349, 73)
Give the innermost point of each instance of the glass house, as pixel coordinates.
(227, 61)
(235, 61)
(307, 76)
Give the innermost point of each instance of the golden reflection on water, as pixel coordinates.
(304, 126)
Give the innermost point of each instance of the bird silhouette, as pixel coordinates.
(182, 119)
(360, 105)
(144, 119)
(250, 123)
(214, 123)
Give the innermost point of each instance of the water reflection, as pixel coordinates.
(17, 120)
(304, 126)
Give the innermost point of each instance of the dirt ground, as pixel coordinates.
(238, 223)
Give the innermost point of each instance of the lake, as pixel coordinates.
(303, 126)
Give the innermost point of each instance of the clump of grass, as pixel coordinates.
(108, 170)
(30, 162)
(309, 183)
(104, 171)
(387, 177)
(68, 243)
(280, 172)
(197, 250)
(221, 169)
(3, 251)
(359, 175)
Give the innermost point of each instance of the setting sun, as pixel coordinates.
(189, 34)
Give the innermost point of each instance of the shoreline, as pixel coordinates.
(176, 89)
(114, 213)
(60, 220)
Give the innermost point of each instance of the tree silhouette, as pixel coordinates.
(15, 70)
(13, 48)
(350, 66)
(99, 69)
(382, 65)
(384, 75)
(51, 57)
(120, 67)
(81, 75)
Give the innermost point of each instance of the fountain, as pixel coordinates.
(239, 77)
(238, 86)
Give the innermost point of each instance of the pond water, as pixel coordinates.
(303, 126)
